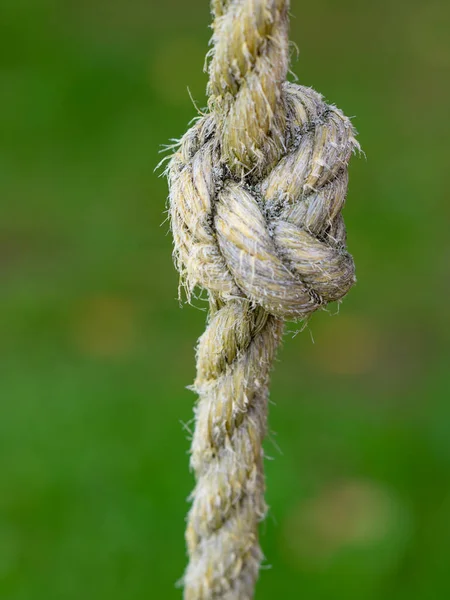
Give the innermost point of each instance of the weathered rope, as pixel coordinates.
(256, 192)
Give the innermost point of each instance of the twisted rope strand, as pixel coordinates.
(247, 71)
(256, 192)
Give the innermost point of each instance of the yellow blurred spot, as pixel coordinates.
(104, 327)
(347, 345)
(352, 514)
(177, 66)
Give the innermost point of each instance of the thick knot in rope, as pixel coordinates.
(256, 192)
(278, 241)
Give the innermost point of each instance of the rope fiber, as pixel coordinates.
(257, 186)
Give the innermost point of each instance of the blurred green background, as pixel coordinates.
(95, 352)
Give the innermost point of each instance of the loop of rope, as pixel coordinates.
(256, 192)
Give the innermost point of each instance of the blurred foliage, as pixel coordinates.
(95, 352)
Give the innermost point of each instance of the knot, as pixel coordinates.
(276, 238)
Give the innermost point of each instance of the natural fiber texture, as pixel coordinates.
(256, 192)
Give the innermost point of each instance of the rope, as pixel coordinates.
(256, 191)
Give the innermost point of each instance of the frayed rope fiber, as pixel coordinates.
(257, 186)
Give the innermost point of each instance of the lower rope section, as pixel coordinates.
(234, 358)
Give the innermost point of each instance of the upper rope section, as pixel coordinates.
(246, 75)
(258, 184)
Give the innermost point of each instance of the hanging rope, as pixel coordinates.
(256, 191)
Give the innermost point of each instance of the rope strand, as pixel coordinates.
(256, 192)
